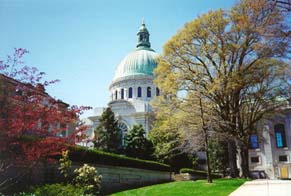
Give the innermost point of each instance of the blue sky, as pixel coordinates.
(80, 42)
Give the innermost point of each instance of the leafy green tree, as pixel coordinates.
(218, 156)
(137, 145)
(166, 138)
(236, 61)
(107, 136)
(283, 5)
(192, 127)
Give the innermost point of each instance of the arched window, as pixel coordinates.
(115, 94)
(139, 92)
(122, 93)
(122, 132)
(149, 92)
(254, 141)
(157, 91)
(280, 135)
(130, 92)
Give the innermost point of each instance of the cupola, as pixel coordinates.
(141, 62)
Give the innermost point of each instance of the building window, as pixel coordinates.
(122, 133)
(255, 159)
(283, 158)
(139, 92)
(149, 92)
(280, 135)
(115, 94)
(130, 92)
(157, 91)
(254, 142)
(18, 92)
(63, 130)
(122, 93)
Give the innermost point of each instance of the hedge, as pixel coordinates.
(198, 172)
(81, 154)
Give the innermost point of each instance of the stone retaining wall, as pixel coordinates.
(121, 178)
(113, 178)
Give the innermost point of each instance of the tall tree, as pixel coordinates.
(236, 59)
(168, 147)
(194, 122)
(283, 5)
(30, 119)
(107, 133)
(169, 135)
(137, 144)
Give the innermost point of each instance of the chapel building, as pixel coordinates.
(132, 88)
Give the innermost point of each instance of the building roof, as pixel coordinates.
(142, 61)
(38, 88)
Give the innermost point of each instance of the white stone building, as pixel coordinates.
(132, 88)
(271, 154)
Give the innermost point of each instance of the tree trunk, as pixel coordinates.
(232, 159)
(245, 161)
(209, 177)
(205, 132)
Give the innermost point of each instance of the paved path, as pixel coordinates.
(264, 188)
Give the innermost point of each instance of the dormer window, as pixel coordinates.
(18, 92)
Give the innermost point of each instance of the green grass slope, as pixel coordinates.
(220, 187)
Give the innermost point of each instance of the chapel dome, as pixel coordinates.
(139, 62)
(142, 61)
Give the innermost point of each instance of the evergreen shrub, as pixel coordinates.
(82, 154)
(60, 190)
(198, 172)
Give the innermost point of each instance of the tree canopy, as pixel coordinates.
(236, 60)
(107, 134)
(33, 125)
(137, 144)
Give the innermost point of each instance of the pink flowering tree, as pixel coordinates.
(32, 123)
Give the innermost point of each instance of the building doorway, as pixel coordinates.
(284, 173)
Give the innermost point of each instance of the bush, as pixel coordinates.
(81, 154)
(60, 190)
(87, 177)
(198, 172)
(21, 194)
(65, 164)
(187, 170)
(25, 194)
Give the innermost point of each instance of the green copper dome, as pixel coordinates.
(142, 61)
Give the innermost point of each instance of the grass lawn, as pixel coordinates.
(219, 187)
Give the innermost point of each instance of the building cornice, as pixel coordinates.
(133, 79)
